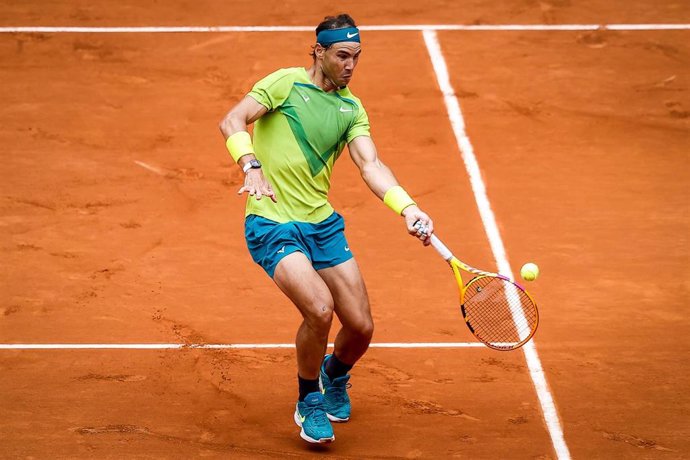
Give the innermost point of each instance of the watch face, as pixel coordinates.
(255, 164)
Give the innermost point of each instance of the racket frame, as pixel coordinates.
(457, 265)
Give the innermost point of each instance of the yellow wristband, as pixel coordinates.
(239, 144)
(397, 199)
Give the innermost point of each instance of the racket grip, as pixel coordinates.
(441, 248)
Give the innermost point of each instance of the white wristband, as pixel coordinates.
(247, 167)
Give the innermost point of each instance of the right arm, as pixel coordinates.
(246, 112)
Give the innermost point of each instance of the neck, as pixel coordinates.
(320, 79)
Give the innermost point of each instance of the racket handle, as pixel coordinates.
(436, 243)
(441, 248)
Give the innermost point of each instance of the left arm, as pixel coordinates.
(379, 178)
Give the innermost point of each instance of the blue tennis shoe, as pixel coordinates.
(336, 400)
(311, 417)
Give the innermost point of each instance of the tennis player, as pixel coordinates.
(303, 118)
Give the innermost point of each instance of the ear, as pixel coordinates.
(319, 51)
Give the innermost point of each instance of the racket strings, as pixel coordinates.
(499, 312)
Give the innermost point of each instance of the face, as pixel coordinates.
(339, 61)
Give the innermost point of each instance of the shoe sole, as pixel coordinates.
(307, 438)
(335, 419)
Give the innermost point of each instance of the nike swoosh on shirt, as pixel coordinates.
(352, 35)
(343, 109)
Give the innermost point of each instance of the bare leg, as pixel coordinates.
(296, 277)
(352, 307)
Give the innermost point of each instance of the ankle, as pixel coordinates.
(336, 368)
(307, 386)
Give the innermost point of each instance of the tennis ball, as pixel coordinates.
(529, 271)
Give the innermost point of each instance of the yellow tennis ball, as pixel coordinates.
(529, 271)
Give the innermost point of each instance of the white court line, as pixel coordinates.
(242, 346)
(479, 189)
(411, 27)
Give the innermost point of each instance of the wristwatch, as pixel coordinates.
(251, 164)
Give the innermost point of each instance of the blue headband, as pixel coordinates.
(329, 36)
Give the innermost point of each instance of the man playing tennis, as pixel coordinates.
(303, 119)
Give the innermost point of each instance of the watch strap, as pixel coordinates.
(251, 164)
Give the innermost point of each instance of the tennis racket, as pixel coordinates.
(498, 311)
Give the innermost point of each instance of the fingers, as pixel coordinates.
(422, 233)
(268, 191)
(430, 228)
(259, 192)
(422, 229)
(253, 191)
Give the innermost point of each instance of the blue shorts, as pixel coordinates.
(324, 243)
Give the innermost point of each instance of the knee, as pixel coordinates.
(367, 330)
(364, 330)
(320, 317)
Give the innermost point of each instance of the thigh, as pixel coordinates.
(349, 293)
(298, 280)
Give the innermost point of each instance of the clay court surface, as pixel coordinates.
(120, 224)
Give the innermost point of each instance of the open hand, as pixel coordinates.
(257, 186)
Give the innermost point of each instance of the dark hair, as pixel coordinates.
(342, 21)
